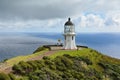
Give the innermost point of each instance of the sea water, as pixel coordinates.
(15, 44)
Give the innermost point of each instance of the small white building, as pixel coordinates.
(69, 35)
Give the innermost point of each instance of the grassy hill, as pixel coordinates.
(84, 64)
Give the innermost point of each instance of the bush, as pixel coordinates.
(4, 76)
(111, 69)
(12, 77)
(40, 49)
(66, 67)
(46, 58)
(17, 69)
(33, 77)
(25, 66)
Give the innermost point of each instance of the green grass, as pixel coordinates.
(76, 63)
(81, 52)
(86, 52)
(17, 59)
(91, 54)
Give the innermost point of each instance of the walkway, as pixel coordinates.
(4, 67)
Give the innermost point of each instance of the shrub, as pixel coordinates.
(4, 76)
(17, 69)
(67, 67)
(40, 49)
(85, 59)
(26, 68)
(46, 58)
(33, 77)
(12, 77)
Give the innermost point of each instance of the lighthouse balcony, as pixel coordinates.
(69, 34)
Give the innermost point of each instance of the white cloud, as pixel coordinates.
(84, 23)
(44, 15)
(91, 20)
(32, 25)
(97, 23)
(115, 16)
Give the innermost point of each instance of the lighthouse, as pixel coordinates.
(69, 35)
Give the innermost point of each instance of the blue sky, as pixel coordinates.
(50, 15)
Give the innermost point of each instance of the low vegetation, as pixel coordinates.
(4, 76)
(17, 59)
(42, 48)
(85, 64)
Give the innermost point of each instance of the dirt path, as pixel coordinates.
(7, 69)
(41, 56)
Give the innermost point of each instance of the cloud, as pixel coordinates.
(83, 23)
(115, 16)
(36, 9)
(44, 9)
(91, 20)
(32, 25)
(97, 23)
(50, 15)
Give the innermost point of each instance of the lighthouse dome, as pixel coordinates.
(69, 23)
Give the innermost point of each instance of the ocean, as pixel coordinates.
(24, 43)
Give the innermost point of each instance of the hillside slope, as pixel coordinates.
(84, 64)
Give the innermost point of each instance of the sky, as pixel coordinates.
(50, 15)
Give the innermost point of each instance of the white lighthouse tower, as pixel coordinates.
(69, 35)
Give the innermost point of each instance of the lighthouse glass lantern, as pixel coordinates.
(69, 35)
